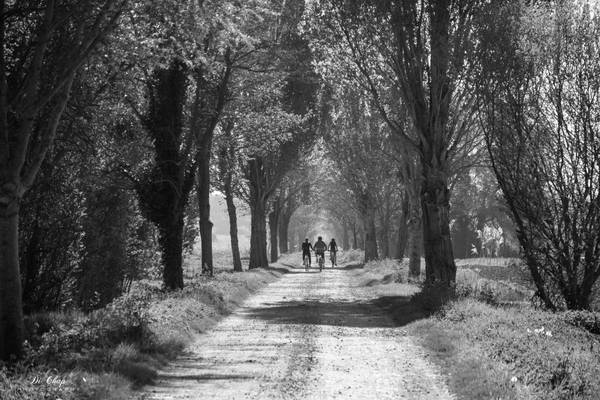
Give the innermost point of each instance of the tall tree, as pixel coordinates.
(227, 182)
(539, 102)
(164, 186)
(410, 56)
(210, 98)
(41, 48)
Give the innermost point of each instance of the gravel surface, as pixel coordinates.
(306, 336)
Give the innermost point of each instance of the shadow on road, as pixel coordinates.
(278, 269)
(206, 377)
(300, 268)
(375, 313)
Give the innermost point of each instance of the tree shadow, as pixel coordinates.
(382, 312)
(205, 377)
(278, 269)
(346, 267)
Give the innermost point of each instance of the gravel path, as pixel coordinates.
(306, 336)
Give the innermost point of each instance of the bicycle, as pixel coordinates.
(320, 260)
(306, 263)
(333, 258)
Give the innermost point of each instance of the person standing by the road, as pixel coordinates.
(306, 248)
(333, 251)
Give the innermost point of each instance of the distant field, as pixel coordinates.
(192, 264)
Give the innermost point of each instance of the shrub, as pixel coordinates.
(74, 338)
(351, 256)
(590, 321)
(538, 347)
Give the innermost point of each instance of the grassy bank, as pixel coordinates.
(107, 353)
(489, 341)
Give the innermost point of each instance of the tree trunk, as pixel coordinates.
(401, 240)
(345, 236)
(258, 236)
(11, 308)
(370, 237)
(171, 242)
(437, 243)
(206, 225)
(414, 247)
(354, 236)
(284, 224)
(273, 225)
(30, 265)
(361, 238)
(402, 235)
(385, 241)
(233, 229)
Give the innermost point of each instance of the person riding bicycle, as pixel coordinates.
(333, 251)
(320, 247)
(306, 248)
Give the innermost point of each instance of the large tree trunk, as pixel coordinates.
(258, 236)
(360, 234)
(345, 236)
(354, 236)
(401, 240)
(171, 243)
(435, 196)
(258, 213)
(370, 237)
(402, 235)
(203, 161)
(30, 264)
(385, 240)
(435, 202)
(273, 225)
(233, 229)
(283, 228)
(414, 247)
(11, 308)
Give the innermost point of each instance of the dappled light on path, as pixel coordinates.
(309, 335)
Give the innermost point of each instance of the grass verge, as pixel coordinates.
(106, 354)
(490, 343)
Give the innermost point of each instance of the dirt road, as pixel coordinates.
(307, 336)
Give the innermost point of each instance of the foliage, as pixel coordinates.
(588, 320)
(477, 209)
(131, 337)
(521, 339)
(541, 126)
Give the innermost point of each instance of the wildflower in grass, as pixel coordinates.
(514, 379)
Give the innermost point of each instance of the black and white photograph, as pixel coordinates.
(300, 199)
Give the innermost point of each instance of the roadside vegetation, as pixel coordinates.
(488, 338)
(107, 353)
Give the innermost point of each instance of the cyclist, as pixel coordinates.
(320, 247)
(333, 251)
(306, 248)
